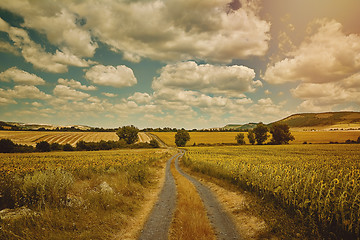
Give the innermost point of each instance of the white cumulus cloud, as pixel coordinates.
(65, 92)
(20, 77)
(120, 76)
(75, 84)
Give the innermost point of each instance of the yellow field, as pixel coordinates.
(320, 182)
(229, 137)
(33, 137)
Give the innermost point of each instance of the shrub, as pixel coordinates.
(7, 146)
(153, 143)
(43, 146)
(68, 147)
(240, 138)
(55, 147)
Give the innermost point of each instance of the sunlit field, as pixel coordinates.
(33, 137)
(229, 137)
(320, 183)
(91, 195)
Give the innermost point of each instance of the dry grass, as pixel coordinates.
(190, 220)
(229, 137)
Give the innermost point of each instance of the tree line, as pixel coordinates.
(128, 137)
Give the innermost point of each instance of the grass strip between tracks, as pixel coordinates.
(190, 219)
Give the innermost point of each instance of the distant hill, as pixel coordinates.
(240, 127)
(327, 120)
(322, 120)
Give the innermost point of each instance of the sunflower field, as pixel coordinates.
(321, 183)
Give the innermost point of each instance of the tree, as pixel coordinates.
(68, 147)
(281, 134)
(358, 140)
(251, 137)
(6, 146)
(261, 133)
(240, 138)
(128, 133)
(43, 146)
(153, 143)
(181, 137)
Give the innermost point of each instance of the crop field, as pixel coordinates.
(319, 182)
(96, 192)
(33, 137)
(229, 137)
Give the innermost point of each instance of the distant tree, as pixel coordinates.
(128, 133)
(281, 134)
(251, 137)
(240, 138)
(181, 137)
(261, 133)
(68, 147)
(358, 140)
(43, 146)
(153, 143)
(6, 146)
(55, 147)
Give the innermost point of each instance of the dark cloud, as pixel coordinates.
(233, 6)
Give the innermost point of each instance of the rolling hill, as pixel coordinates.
(308, 121)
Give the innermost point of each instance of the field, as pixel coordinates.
(321, 183)
(33, 137)
(229, 137)
(82, 195)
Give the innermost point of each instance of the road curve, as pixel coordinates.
(224, 226)
(158, 224)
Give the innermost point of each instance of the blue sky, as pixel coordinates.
(176, 63)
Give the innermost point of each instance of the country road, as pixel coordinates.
(158, 223)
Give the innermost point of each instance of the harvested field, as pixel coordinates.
(33, 137)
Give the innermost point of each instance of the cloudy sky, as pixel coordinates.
(176, 63)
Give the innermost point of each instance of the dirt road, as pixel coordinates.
(158, 224)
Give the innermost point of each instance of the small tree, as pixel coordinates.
(6, 146)
(43, 146)
(240, 138)
(261, 133)
(128, 133)
(153, 143)
(68, 147)
(358, 140)
(181, 137)
(281, 134)
(251, 137)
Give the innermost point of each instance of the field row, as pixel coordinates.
(319, 182)
(31, 138)
(229, 137)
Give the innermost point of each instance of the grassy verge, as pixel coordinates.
(190, 219)
(92, 202)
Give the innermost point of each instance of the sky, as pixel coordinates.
(176, 63)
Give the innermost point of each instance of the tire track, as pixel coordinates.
(221, 221)
(158, 224)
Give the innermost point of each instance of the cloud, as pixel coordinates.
(24, 92)
(7, 47)
(65, 92)
(140, 98)
(109, 94)
(6, 101)
(206, 78)
(121, 76)
(75, 84)
(20, 77)
(327, 56)
(177, 30)
(35, 54)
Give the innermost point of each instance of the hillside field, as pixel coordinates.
(229, 137)
(33, 137)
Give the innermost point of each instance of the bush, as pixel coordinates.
(6, 146)
(43, 146)
(55, 147)
(153, 143)
(240, 138)
(68, 147)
